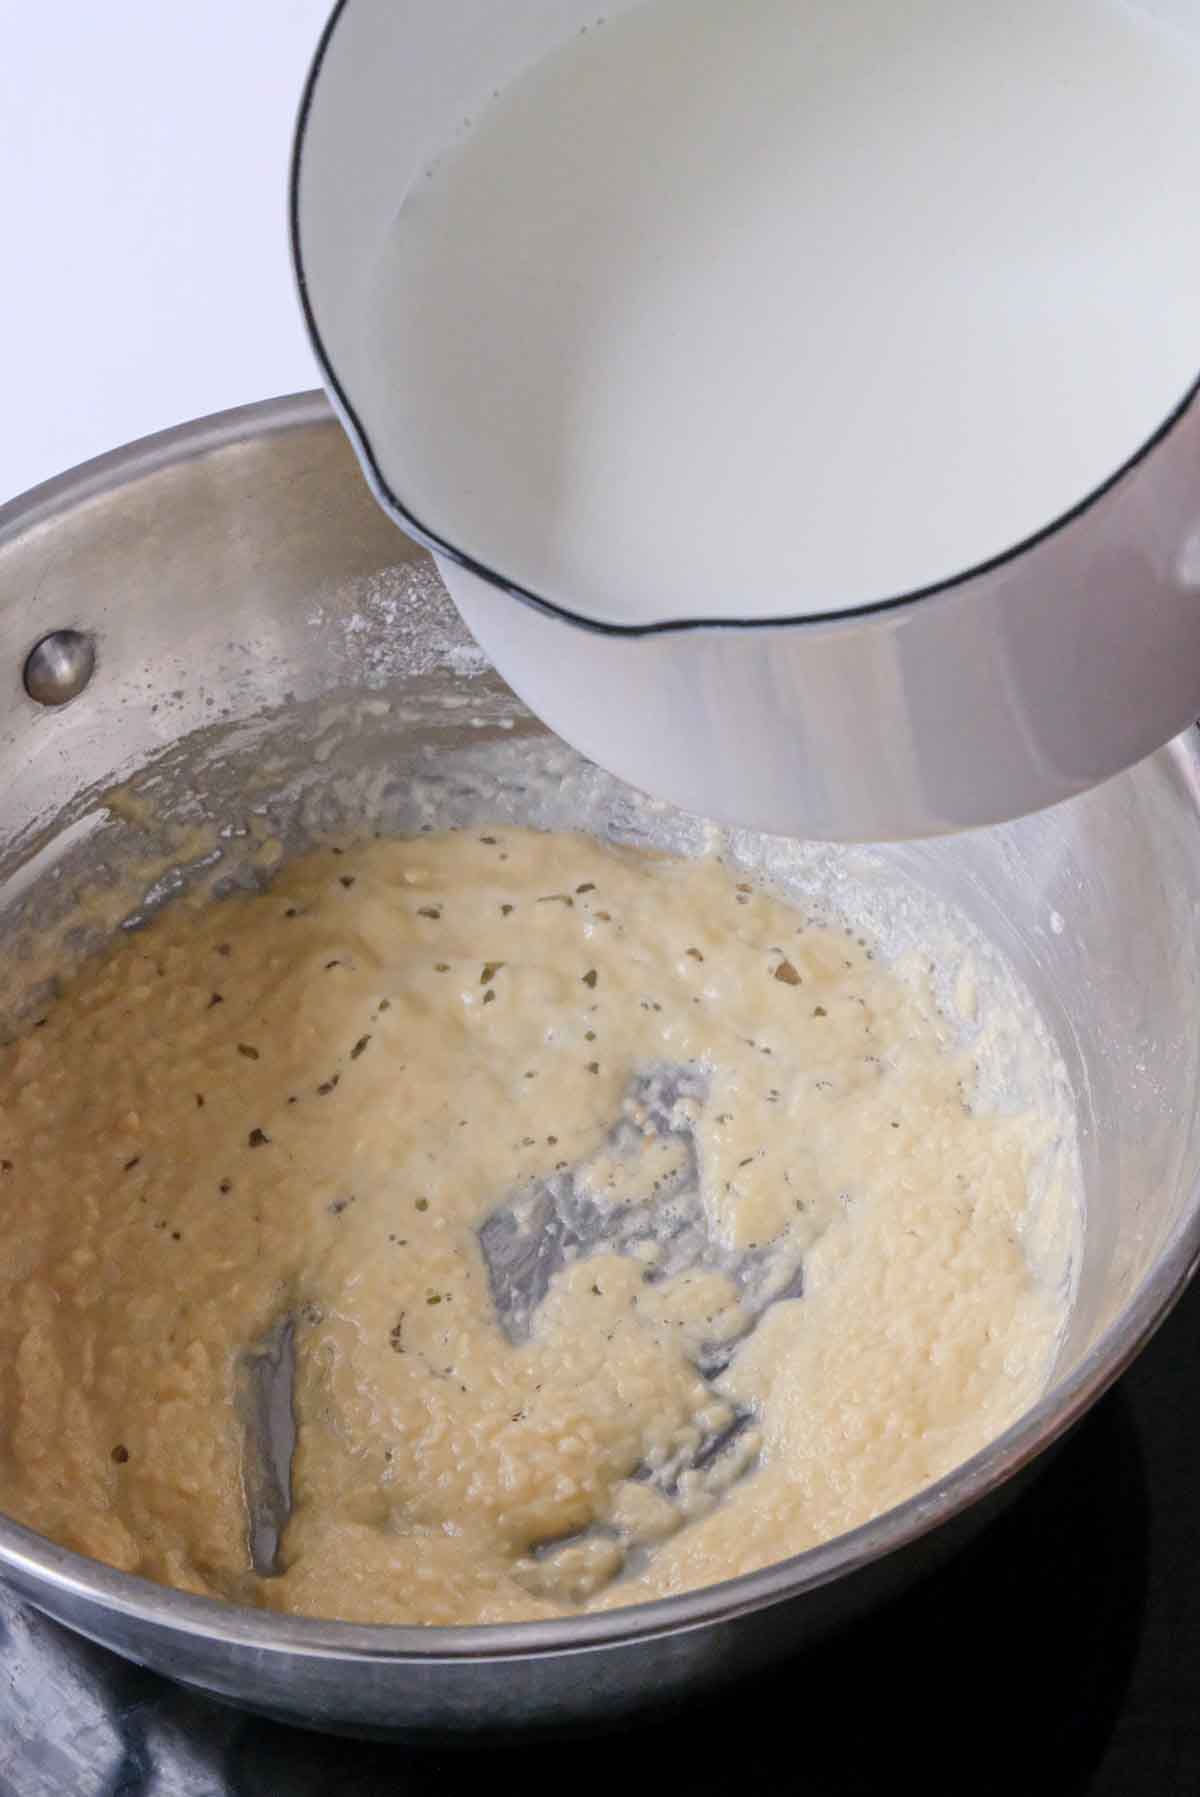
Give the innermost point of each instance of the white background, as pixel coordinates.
(143, 169)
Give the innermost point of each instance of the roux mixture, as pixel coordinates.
(309, 1102)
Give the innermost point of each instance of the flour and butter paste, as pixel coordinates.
(338, 1101)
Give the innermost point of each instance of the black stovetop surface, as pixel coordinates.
(1060, 1654)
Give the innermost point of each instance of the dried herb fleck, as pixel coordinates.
(590, 978)
(248, 1053)
(359, 1047)
(490, 970)
(788, 974)
(258, 1138)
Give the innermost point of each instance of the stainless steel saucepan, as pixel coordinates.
(226, 606)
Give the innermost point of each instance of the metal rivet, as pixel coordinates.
(59, 667)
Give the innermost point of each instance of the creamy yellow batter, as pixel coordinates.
(306, 1103)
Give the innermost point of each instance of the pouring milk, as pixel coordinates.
(784, 307)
